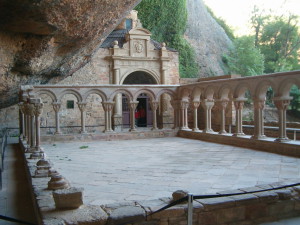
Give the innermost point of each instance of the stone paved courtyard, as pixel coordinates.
(145, 169)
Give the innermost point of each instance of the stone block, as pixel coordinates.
(267, 196)
(245, 199)
(283, 194)
(281, 208)
(179, 194)
(207, 218)
(86, 214)
(229, 215)
(127, 214)
(175, 211)
(217, 203)
(230, 192)
(297, 188)
(251, 189)
(68, 198)
(256, 211)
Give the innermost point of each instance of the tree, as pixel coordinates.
(244, 58)
(280, 43)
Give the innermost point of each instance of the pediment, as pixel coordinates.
(139, 31)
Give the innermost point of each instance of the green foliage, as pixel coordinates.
(295, 102)
(278, 39)
(244, 58)
(83, 147)
(228, 30)
(167, 19)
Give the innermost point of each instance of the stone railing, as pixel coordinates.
(223, 91)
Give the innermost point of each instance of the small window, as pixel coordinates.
(128, 24)
(70, 104)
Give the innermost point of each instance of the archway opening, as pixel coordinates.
(145, 118)
(139, 77)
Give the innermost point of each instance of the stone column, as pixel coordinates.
(239, 105)
(195, 105)
(282, 105)
(182, 115)
(207, 105)
(117, 117)
(222, 104)
(31, 128)
(56, 108)
(258, 119)
(82, 108)
(133, 106)
(154, 106)
(38, 109)
(108, 106)
(22, 122)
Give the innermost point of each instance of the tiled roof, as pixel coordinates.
(119, 35)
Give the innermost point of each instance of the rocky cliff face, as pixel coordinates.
(45, 41)
(208, 38)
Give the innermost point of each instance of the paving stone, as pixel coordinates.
(245, 199)
(216, 203)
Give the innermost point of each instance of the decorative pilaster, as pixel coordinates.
(195, 105)
(239, 105)
(207, 105)
(281, 105)
(82, 108)
(56, 107)
(154, 106)
(108, 107)
(258, 119)
(133, 106)
(222, 104)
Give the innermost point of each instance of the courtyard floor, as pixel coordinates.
(145, 169)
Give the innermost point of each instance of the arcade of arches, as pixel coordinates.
(185, 100)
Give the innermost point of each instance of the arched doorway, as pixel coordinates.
(138, 77)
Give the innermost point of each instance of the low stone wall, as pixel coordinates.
(268, 145)
(247, 209)
(140, 134)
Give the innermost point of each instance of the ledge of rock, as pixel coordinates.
(44, 41)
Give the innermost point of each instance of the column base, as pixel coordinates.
(258, 137)
(208, 131)
(238, 134)
(108, 131)
(282, 139)
(83, 132)
(132, 130)
(223, 132)
(154, 128)
(37, 155)
(57, 133)
(196, 130)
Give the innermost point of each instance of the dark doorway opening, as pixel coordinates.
(143, 109)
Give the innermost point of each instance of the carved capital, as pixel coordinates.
(22, 107)
(56, 106)
(30, 109)
(282, 104)
(38, 109)
(239, 105)
(133, 105)
(259, 104)
(184, 104)
(108, 106)
(195, 104)
(208, 103)
(153, 105)
(222, 104)
(82, 106)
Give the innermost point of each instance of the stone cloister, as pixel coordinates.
(207, 94)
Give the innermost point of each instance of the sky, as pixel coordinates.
(237, 13)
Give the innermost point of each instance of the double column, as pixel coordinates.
(281, 105)
(239, 105)
(82, 108)
(184, 104)
(56, 107)
(154, 106)
(222, 104)
(195, 105)
(207, 105)
(133, 106)
(258, 119)
(108, 107)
